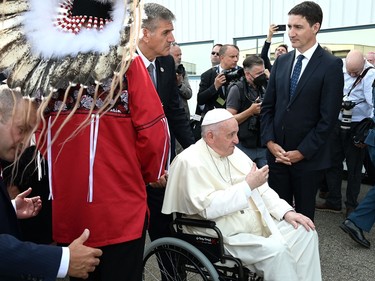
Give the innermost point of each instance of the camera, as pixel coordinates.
(259, 100)
(281, 27)
(231, 75)
(347, 112)
(180, 69)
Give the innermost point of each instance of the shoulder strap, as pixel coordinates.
(359, 79)
(234, 84)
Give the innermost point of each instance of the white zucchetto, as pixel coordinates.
(216, 115)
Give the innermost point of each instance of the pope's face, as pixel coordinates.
(225, 139)
(16, 131)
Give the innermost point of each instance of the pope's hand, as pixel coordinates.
(257, 177)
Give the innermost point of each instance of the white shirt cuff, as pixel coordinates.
(64, 264)
(14, 205)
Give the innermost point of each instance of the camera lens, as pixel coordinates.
(233, 74)
(346, 119)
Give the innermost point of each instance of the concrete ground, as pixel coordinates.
(341, 258)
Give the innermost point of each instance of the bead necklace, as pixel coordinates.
(217, 169)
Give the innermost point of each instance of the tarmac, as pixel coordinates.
(342, 258)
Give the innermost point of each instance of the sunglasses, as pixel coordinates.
(214, 53)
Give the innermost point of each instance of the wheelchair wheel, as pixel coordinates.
(170, 259)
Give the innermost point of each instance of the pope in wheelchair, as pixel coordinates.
(215, 180)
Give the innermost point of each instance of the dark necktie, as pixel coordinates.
(295, 75)
(150, 69)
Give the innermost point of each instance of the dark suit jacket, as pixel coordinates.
(37, 229)
(207, 94)
(169, 96)
(306, 121)
(27, 261)
(23, 260)
(264, 55)
(8, 217)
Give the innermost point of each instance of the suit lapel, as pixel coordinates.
(157, 71)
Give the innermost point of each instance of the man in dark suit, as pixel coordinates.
(300, 109)
(363, 216)
(212, 87)
(154, 48)
(31, 172)
(24, 260)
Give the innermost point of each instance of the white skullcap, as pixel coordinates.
(216, 115)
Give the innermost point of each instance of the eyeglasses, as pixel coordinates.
(214, 53)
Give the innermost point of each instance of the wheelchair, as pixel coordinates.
(192, 257)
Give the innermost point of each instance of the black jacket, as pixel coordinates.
(169, 95)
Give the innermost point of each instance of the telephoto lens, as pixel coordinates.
(346, 119)
(347, 112)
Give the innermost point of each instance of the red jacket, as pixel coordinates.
(99, 175)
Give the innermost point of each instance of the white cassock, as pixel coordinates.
(201, 184)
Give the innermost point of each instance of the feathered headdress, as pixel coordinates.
(54, 44)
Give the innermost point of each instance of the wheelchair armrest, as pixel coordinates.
(198, 223)
(195, 222)
(179, 221)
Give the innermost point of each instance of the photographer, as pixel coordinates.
(280, 50)
(185, 92)
(213, 85)
(244, 101)
(357, 105)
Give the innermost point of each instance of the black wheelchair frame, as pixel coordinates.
(192, 257)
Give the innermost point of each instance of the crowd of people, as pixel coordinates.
(113, 161)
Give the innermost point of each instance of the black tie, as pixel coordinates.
(150, 69)
(295, 75)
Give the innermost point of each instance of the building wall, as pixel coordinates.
(201, 23)
(223, 20)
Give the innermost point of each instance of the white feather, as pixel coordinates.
(10, 22)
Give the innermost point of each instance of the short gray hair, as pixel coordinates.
(155, 12)
(8, 99)
(252, 61)
(225, 47)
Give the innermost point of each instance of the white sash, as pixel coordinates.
(265, 214)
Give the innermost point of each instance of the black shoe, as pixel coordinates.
(327, 208)
(355, 233)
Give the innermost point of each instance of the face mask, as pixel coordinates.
(261, 80)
